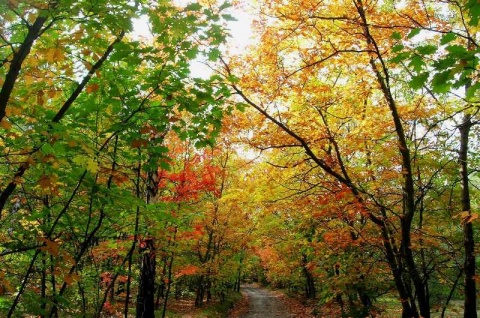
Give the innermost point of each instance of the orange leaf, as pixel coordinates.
(188, 270)
(5, 124)
(50, 247)
(92, 88)
(137, 143)
(71, 278)
(45, 182)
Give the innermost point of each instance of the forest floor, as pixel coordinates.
(260, 302)
(255, 302)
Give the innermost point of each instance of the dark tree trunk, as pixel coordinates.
(161, 285)
(470, 304)
(169, 286)
(200, 292)
(146, 288)
(309, 281)
(238, 280)
(208, 289)
(409, 309)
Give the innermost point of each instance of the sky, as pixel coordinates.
(240, 35)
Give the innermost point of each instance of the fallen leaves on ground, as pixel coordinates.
(296, 307)
(240, 308)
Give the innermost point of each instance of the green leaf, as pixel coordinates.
(426, 49)
(413, 33)
(441, 82)
(400, 57)
(164, 165)
(59, 149)
(396, 36)
(417, 63)
(445, 63)
(472, 90)
(474, 12)
(224, 6)
(228, 17)
(48, 149)
(213, 55)
(458, 50)
(397, 48)
(418, 81)
(447, 38)
(92, 165)
(192, 53)
(193, 7)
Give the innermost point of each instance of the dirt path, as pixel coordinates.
(264, 304)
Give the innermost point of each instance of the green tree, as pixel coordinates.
(85, 106)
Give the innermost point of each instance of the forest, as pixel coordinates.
(335, 157)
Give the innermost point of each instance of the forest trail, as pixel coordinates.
(264, 304)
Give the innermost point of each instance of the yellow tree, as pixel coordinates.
(321, 79)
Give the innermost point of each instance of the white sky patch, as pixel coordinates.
(141, 28)
(240, 36)
(240, 31)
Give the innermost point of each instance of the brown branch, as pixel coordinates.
(10, 79)
(24, 167)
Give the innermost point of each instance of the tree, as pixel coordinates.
(84, 106)
(368, 135)
(454, 68)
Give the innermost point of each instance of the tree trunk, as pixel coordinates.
(161, 285)
(146, 288)
(34, 31)
(200, 292)
(406, 298)
(309, 281)
(470, 304)
(169, 286)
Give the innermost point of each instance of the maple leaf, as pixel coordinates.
(71, 278)
(89, 164)
(46, 181)
(92, 165)
(137, 143)
(49, 246)
(92, 88)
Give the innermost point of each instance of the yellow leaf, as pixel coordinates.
(88, 65)
(92, 166)
(58, 55)
(52, 93)
(29, 80)
(466, 217)
(13, 111)
(471, 218)
(50, 55)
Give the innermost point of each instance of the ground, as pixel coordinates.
(257, 302)
(260, 302)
